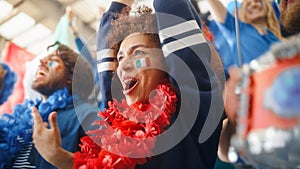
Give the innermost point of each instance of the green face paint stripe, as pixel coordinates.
(138, 63)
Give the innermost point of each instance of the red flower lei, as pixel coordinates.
(123, 132)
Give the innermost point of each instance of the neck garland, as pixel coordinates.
(127, 130)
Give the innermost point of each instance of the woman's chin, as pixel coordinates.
(130, 101)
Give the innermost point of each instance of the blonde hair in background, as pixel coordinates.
(272, 21)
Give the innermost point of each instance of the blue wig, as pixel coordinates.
(8, 83)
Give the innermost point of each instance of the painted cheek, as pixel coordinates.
(58, 68)
(54, 65)
(143, 62)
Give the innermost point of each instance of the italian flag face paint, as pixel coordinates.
(143, 62)
(54, 65)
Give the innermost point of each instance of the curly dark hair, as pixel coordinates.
(143, 21)
(73, 61)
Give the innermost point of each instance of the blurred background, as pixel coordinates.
(31, 24)
(28, 27)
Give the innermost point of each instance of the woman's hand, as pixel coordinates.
(48, 142)
(217, 10)
(231, 99)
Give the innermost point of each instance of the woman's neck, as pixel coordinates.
(260, 24)
(261, 28)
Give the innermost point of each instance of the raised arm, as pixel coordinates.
(106, 63)
(181, 37)
(217, 10)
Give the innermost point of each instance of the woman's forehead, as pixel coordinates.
(134, 36)
(137, 38)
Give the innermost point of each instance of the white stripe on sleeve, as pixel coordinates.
(183, 43)
(178, 29)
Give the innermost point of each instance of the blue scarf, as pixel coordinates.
(20, 122)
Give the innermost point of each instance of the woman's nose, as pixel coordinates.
(126, 64)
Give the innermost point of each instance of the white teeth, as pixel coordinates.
(127, 80)
(41, 72)
(129, 83)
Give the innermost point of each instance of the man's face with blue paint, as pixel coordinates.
(50, 75)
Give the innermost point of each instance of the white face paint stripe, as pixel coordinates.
(145, 62)
(53, 64)
(183, 43)
(178, 29)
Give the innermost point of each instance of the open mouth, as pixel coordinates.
(130, 84)
(40, 74)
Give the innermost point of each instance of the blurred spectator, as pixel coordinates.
(290, 17)
(8, 79)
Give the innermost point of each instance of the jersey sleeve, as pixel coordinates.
(106, 63)
(188, 56)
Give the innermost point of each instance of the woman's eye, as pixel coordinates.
(120, 58)
(138, 53)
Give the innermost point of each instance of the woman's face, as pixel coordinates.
(255, 10)
(140, 67)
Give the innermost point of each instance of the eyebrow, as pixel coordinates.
(132, 48)
(52, 57)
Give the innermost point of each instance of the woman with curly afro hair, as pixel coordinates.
(162, 63)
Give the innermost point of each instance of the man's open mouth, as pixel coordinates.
(40, 73)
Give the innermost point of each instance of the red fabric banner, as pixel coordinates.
(15, 57)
